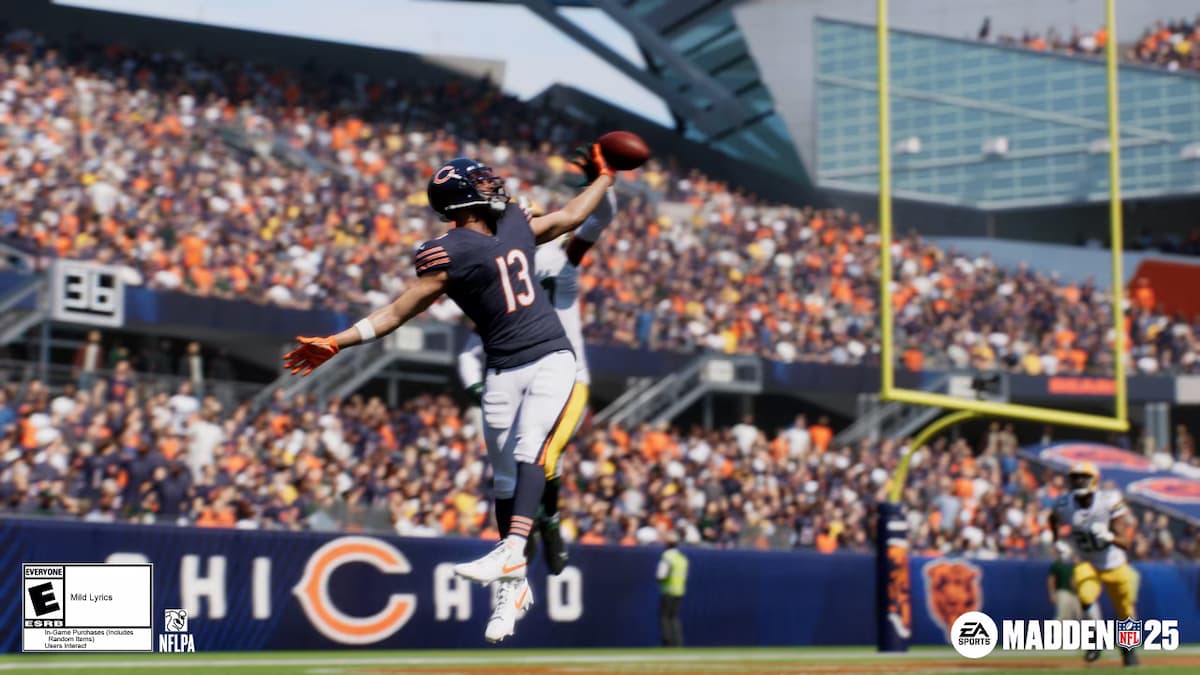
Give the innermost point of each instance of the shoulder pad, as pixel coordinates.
(1114, 500)
(432, 256)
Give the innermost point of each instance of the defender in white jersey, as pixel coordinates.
(1097, 522)
(556, 267)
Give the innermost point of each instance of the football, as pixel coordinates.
(624, 150)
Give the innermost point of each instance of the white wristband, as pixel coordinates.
(365, 330)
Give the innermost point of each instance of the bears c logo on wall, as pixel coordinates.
(1175, 490)
(952, 588)
(1103, 456)
(313, 591)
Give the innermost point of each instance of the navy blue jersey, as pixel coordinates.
(492, 280)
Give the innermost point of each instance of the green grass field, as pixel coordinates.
(575, 661)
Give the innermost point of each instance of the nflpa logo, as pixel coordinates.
(1129, 634)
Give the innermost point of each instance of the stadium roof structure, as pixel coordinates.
(697, 61)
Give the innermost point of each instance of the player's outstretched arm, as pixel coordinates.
(586, 236)
(571, 216)
(313, 351)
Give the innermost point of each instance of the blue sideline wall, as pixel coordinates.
(249, 590)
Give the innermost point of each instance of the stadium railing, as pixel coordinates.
(22, 372)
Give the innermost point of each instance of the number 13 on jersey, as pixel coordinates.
(520, 264)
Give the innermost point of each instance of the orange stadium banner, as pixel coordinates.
(1082, 386)
(1168, 285)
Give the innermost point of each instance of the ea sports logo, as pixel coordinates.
(974, 635)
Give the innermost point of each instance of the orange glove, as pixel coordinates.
(312, 352)
(591, 162)
(599, 163)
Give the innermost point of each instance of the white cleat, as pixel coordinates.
(513, 600)
(503, 562)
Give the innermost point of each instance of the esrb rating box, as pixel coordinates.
(91, 607)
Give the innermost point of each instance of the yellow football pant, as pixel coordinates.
(566, 427)
(1120, 582)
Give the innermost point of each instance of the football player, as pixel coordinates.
(1097, 520)
(557, 271)
(485, 264)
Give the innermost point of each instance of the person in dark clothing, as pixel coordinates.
(173, 485)
(139, 470)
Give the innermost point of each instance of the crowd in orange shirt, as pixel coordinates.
(1089, 43)
(1172, 45)
(226, 179)
(144, 454)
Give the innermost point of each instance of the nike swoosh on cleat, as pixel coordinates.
(508, 569)
(520, 600)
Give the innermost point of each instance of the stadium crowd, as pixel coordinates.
(125, 449)
(302, 189)
(1086, 43)
(1172, 45)
(231, 180)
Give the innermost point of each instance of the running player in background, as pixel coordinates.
(484, 264)
(557, 270)
(1097, 521)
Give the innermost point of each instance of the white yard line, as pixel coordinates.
(324, 659)
(345, 662)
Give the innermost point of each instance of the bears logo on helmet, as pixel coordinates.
(463, 183)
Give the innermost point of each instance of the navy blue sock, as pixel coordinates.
(550, 498)
(504, 512)
(531, 480)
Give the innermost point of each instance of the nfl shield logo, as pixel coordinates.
(1129, 634)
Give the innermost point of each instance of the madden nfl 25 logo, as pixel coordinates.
(975, 635)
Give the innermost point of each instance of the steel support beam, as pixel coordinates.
(696, 96)
(729, 108)
(675, 17)
(706, 121)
